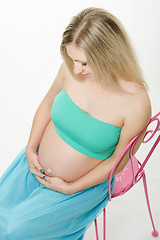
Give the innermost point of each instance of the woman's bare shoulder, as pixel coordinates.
(138, 107)
(135, 94)
(136, 104)
(139, 98)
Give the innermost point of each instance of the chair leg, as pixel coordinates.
(104, 224)
(154, 232)
(96, 228)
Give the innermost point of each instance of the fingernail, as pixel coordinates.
(43, 177)
(41, 170)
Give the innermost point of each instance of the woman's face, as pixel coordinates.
(80, 65)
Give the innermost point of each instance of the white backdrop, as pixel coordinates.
(30, 36)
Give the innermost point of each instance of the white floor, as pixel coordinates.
(128, 219)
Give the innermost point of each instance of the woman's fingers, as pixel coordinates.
(38, 166)
(37, 173)
(36, 169)
(43, 181)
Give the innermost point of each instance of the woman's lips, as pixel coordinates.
(86, 75)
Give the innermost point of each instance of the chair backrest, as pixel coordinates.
(134, 169)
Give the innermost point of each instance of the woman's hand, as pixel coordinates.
(56, 184)
(35, 167)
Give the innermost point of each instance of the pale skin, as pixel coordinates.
(131, 112)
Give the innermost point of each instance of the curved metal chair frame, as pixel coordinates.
(137, 169)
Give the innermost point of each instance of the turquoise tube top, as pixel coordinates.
(86, 134)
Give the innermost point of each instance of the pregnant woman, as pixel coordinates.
(57, 185)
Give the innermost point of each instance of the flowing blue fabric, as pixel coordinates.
(30, 211)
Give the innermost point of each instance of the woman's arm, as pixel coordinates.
(42, 115)
(40, 121)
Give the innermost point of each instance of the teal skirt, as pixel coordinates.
(28, 210)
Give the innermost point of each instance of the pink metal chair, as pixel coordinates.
(133, 171)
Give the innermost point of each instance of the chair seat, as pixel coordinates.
(124, 179)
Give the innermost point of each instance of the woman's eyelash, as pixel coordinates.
(84, 64)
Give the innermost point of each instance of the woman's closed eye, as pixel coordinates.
(84, 64)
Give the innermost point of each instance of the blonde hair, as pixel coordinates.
(106, 45)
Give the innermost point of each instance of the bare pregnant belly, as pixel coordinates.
(59, 159)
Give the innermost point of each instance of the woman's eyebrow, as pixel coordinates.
(80, 61)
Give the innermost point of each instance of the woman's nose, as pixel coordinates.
(77, 68)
